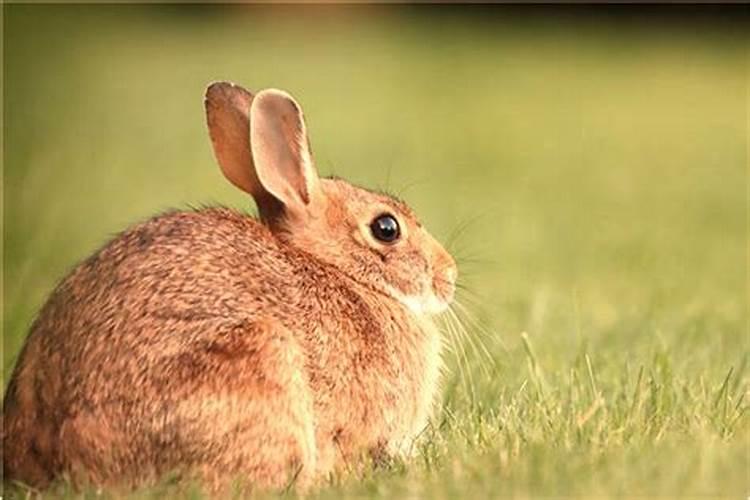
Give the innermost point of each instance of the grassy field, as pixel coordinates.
(589, 171)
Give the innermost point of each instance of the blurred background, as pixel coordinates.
(587, 165)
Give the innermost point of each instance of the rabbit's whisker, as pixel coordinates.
(463, 337)
(461, 228)
(462, 359)
(482, 331)
(466, 335)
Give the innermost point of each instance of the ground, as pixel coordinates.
(589, 171)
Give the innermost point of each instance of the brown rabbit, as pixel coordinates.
(219, 346)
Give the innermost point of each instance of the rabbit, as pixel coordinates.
(216, 345)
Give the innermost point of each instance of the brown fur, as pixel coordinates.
(209, 344)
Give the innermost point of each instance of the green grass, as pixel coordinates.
(594, 168)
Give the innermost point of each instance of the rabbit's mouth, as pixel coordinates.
(444, 284)
(433, 300)
(424, 305)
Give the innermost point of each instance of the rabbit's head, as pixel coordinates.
(261, 144)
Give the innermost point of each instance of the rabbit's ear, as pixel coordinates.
(281, 151)
(228, 115)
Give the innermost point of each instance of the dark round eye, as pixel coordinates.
(385, 228)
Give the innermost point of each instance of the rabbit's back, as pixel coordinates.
(138, 328)
(160, 287)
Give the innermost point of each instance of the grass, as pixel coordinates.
(590, 171)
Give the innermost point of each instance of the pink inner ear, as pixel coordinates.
(295, 136)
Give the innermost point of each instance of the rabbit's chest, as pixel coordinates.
(378, 392)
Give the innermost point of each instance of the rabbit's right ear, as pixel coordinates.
(228, 118)
(282, 156)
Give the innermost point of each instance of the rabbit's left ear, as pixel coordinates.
(281, 152)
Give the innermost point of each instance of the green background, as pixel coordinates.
(588, 167)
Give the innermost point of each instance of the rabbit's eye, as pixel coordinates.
(385, 228)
